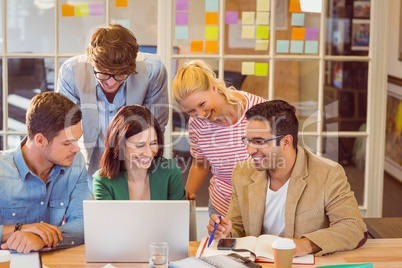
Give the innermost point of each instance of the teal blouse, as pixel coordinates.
(165, 183)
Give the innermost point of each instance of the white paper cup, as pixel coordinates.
(283, 249)
(5, 258)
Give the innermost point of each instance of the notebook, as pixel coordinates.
(121, 231)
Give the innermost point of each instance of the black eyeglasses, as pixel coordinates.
(258, 143)
(106, 76)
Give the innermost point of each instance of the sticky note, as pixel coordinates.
(262, 18)
(298, 19)
(294, 6)
(247, 68)
(247, 17)
(261, 69)
(262, 32)
(282, 46)
(231, 17)
(211, 32)
(247, 32)
(211, 46)
(261, 45)
(196, 46)
(121, 3)
(311, 33)
(211, 5)
(81, 10)
(296, 46)
(181, 32)
(298, 33)
(211, 18)
(181, 4)
(181, 18)
(311, 47)
(124, 22)
(67, 10)
(96, 9)
(262, 5)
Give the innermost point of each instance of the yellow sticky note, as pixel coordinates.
(247, 68)
(263, 5)
(196, 46)
(247, 17)
(294, 6)
(211, 46)
(247, 32)
(81, 10)
(262, 18)
(211, 32)
(399, 118)
(121, 3)
(67, 10)
(298, 33)
(262, 32)
(261, 69)
(261, 45)
(211, 18)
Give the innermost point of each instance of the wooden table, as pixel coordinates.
(384, 227)
(381, 252)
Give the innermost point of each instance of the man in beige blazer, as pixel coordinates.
(286, 190)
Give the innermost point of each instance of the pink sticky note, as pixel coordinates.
(311, 34)
(232, 17)
(181, 4)
(181, 18)
(96, 9)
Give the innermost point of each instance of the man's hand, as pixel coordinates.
(190, 196)
(304, 247)
(23, 242)
(224, 227)
(50, 234)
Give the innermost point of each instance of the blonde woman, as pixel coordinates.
(216, 126)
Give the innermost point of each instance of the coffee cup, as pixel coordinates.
(5, 258)
(283, 249)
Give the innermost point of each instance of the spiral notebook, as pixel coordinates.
(218, 261)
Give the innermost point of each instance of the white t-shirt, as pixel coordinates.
(274, 216)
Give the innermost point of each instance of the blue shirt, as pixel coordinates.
(25, 198)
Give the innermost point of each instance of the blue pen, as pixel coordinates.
(213, 232)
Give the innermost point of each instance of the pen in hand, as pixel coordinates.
(213, 232)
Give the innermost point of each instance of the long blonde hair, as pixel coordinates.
(197, 75)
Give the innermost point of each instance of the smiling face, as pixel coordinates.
(141, 149)
(203, 105)
(63, 148)
(110, 85)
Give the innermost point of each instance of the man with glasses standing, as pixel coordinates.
(111, 75)
(286, 190)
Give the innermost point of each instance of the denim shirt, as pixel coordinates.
(25, 198)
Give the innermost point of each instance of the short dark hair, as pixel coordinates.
(49, 113)
(129, 121)
(280, 115)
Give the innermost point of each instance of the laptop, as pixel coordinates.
(121, 231)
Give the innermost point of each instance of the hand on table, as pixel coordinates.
(304, 246)
(50, 234)
(23, 242)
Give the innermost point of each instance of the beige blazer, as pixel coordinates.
(319, 203)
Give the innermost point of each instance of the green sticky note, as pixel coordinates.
(297, 19)
(211, 32)
(247, 32)
(247, 68)
(296, 46)
(311, 47)
(261, 69)
(262, 32)
(81, 10)
(282, 46)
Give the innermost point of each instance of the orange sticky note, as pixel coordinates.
(67, 10)
(121, 3)
(211, 46)
(211, 18)
(294, 6)
(298, 33)
(196, 46)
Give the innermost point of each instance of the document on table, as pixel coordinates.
(21, 260)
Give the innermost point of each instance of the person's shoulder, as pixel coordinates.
(7, 160)
(318, 160)
(252, 99)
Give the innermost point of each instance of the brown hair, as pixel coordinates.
(280, 115)
(129, 121)
(49, 113)
(113, 48)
